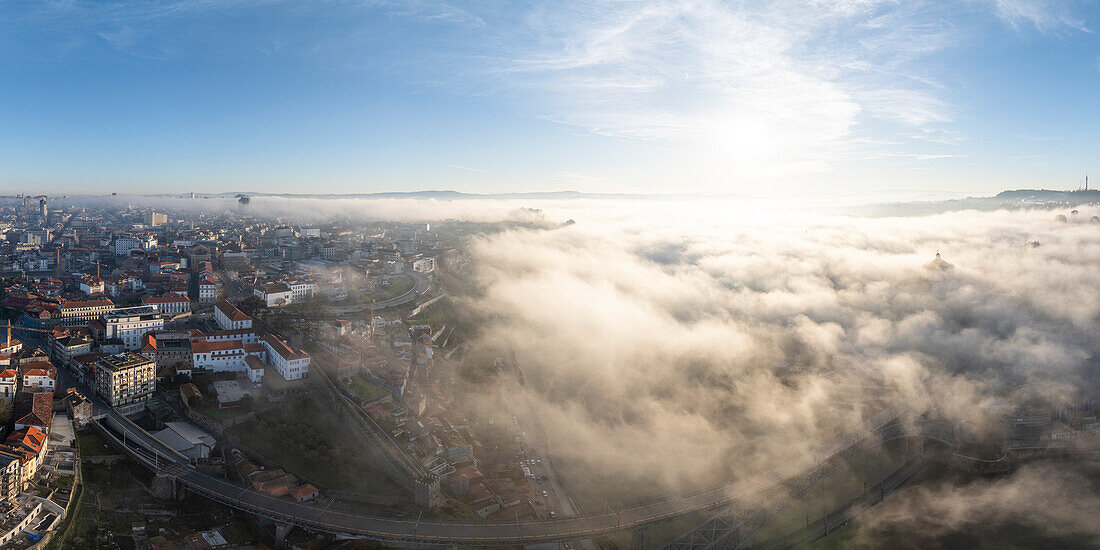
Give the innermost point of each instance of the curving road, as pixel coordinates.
(423, 283)
(158, 457)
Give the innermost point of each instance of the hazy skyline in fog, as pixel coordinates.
(762, 98)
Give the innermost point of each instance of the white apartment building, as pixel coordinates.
(169, 303)
(130, 324)
(245, 335)
(123, 245)
(255, 368)
(274, 294)
(229, 317)
(302, 290)
(424, 265)
(9, 383)
(292, 364)
(222, 356)
(118, 286)
(207, 288)
(40, 376)
(78, 312)
(91, 285)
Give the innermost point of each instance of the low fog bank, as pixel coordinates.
(1040, 505)
(668, 349)
(671, 345)
(322, 210)
(435, 206)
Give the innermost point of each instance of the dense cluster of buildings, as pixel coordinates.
(125, 301)
(478, 463)
(122, 299)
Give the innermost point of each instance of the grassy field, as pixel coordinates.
(110, 498)
(303, 442)
(93, 444)
(365, 389)
(399, 284)
(213, 411)
(120, 479)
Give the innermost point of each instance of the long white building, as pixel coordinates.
(130, 324)
(292, 364)
(169, 303)
(229, 317)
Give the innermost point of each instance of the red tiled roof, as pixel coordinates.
(303, 490)
(8, 373)
(41, 411)
(30, 437)
(166, 299)
(283, 349)
(39, 368)
(231, 311)
(87, 303)
(254, 362)
(206, 346)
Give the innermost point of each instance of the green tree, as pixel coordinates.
(252, 305)
(5, 412)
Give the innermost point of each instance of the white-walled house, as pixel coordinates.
(169, 303)
(40, 376)
(230, 318)
(292, 364)
(223, 356)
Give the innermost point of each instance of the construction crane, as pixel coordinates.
(97, 264)
(11, 327)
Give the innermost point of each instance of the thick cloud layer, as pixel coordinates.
(1041, 505)
(668, 347)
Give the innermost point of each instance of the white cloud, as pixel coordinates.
(1044, 15)
(767, 87)
(649, 333)
(465, 168)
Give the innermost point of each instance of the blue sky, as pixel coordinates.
(759, 98)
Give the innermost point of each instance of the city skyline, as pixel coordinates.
(778, 99)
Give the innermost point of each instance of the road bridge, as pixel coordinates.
(745, 507)
(791, 479)
(738, 521)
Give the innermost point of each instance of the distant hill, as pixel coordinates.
(1049, 195)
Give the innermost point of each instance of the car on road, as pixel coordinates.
(544, 493)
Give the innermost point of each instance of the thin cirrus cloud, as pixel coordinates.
(757, 80)
(712, 88)
(1044, 15)
(464, 168)
(780, 86)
